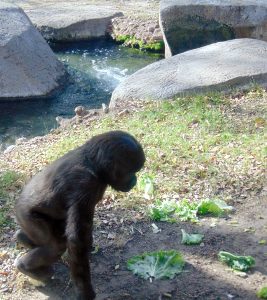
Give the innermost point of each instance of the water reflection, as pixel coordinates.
(95, 68)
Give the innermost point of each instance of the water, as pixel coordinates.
(95, 68)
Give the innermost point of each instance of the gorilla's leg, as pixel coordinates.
(49, 244)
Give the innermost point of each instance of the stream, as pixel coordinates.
(95, 68)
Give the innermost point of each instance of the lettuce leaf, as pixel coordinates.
(146, 184)
(191, 239)
(171, 210)
(157, 265)
(213, 207)
(239, 263)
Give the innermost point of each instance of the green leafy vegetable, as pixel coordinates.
(191, 239)
(214, 207)
(162, 210)
(155, 228)
(146, 184)
(171, 210)
(262, 293)
(186, 211)
(239, 263)
(157, 265)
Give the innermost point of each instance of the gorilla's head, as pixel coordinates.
(119, 157)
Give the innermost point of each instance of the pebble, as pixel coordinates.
(9, 149)
(111, 236)
(20, 140)
(5, 290)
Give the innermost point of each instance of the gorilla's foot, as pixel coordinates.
(23, 239)
(41, 273)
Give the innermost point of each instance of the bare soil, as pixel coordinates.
(143, 9)
(120, 236)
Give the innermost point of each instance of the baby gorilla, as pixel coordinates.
(56, 208)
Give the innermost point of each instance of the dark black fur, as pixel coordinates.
(56, 208)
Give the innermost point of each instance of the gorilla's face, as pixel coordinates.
(125, 183)
(123, 177)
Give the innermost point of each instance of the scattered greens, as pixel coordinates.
(162, 210)
(213, 207)
(157, 265)
(191, 239)
(239, 263)
(171, 210)
(262, 293)
(155, 228)
(146, 185)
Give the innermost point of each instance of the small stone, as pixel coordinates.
(241, 274)
(80, 110)
(123, 112)
(111, 236)
(20, 140)
(105, 108)
(9, 149)
(5, 290)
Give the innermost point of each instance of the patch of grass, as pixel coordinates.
(10, 182)
(262, 293)
(5, 219)
(198, 147)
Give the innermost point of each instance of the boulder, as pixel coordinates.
(28, 67)
(189, 24)
(220, 66)
(65, 21)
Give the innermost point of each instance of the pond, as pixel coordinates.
(95, 68)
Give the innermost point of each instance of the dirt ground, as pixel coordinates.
(144, 9)
(119, 239)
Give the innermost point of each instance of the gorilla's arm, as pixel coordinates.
(79, 242)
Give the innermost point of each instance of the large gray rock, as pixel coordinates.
(28, 67)
(188, 24)
(65, 21)
(219, 66)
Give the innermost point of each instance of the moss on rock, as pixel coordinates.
(132, 41)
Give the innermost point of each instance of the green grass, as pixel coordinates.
(10, 182)
(186, 141)
(196, 147)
